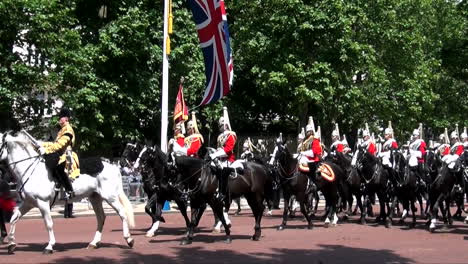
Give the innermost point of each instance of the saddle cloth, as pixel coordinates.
(326, 172)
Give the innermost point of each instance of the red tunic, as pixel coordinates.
(229, 145)
(180, 139)
(422, 148)
(316, 149)
(459, 150)
(193, 143)
(7, 204)
(371, 148)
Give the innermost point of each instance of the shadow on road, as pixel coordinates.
(326, 254)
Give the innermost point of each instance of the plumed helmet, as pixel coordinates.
(310, 125)
(454, 135)
(365, 133)
(192, 124)
(388, 131)
(442, 137)
(416, 132)
(224, 120)
(246, 144)
(335, 133)
(464, 136)
(64, 112)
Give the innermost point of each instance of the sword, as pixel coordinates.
(32, 139)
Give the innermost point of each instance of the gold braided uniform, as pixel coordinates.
(64, 141)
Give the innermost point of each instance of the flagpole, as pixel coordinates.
(165, 82)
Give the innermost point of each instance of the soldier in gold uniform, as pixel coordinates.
(59, 155)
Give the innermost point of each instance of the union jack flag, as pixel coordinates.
(212, 27)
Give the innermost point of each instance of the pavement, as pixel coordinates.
(84, 208)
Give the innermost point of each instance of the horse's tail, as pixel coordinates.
(126, 204)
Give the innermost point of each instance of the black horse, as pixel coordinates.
(375, 179)
(441, 189)
(405, 186)
(254, 182)
(191, 179)
(292, 181)
(156, 177)
(351, 183)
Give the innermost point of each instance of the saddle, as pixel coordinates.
(326, 172)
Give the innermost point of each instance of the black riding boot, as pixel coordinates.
(64, 180)
(311, 173)
(223, 182)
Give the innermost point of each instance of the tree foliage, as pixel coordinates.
(340, 61)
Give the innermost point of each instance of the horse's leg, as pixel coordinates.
(317, 199)
(201, 210)
(218, 223)
(119, 208)
(305, 212)
(188, 239)
(22, 210)
(421, 206)
(405, 204)
(255, 202)
(286, 198)
(383, 204)
(392, 210)
(364, 209)
(3, 231)
(44, 207)
(435, 210)
(449, 214)
(334, 209)
(154, 209)
(238, 202)
(413, 210)
(96, 202)
(217, 207)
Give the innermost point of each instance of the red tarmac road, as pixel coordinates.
(346, 243)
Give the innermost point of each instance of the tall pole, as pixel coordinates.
(165, 82)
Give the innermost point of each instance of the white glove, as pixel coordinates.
(178, 150)
(171, 142)
(218, 154)
(42, 151)
(308, 153)
(416, 153)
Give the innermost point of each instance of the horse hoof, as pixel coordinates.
(185, 242)
(216, 230)
(47, 251)
(91, 246)
(363, 221)
(326, 225)
(280, 228)
(11, 248)
(401, 222)
(229, 225)
(388, 223)
(228, 240)
(149, 235)
(255, 238)
(130, 242)
(310, 226)
(432, 229)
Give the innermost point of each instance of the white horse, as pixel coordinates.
(36, 183)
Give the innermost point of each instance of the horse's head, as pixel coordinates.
(130, 154)
(280, 152)
(151, 162)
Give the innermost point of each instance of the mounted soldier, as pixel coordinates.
(59, 155)
(248, 150)
(417, 153)
(337, 144)
(442, 147)
(311, 150)
(388, 146)
(225, 153)
(192, 142)
(179, 136)
(368, 142)
(456, 150)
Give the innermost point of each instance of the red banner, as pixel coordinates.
(180, 109)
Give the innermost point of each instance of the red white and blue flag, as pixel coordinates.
(212, 27)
